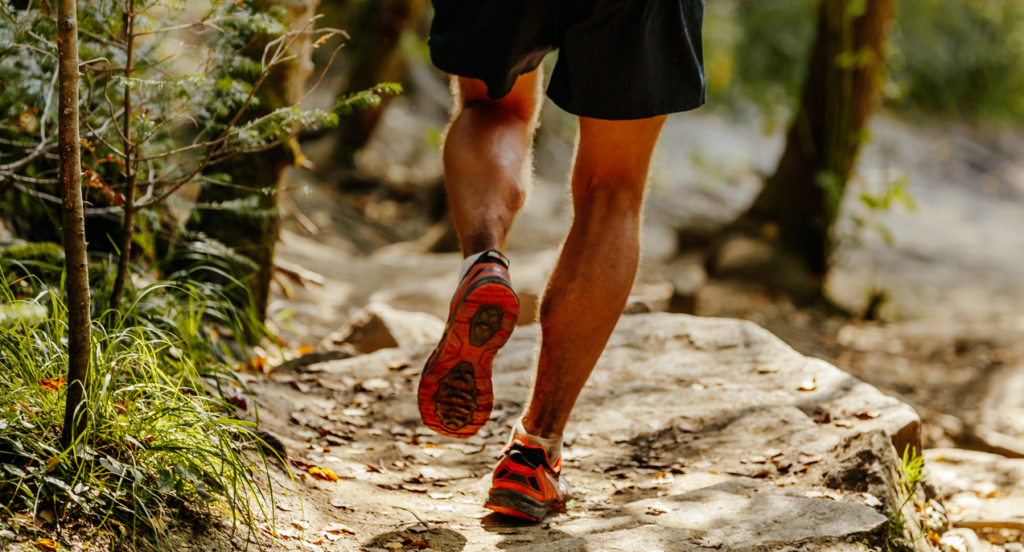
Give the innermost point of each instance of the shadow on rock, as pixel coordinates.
(523, 535)
(437, 539)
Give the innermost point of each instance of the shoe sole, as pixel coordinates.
(516, 504)
(455, 392)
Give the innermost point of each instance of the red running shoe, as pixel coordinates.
(455, 393)
(525, 485)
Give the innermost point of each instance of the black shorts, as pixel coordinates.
(617, 59)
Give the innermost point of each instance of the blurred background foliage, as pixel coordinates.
(950, 58)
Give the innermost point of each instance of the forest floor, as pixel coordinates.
(947, 341)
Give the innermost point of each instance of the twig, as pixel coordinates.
(294, 211)
(430, 527)
(203, 23)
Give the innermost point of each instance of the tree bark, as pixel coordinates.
(254, 232)
(79, 339)
(129, 169)
(800, 202)
(377, 57)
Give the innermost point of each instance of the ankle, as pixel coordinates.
(552, 445)
(470, 260)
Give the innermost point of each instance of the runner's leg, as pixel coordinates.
(594, 273)
(487, 158)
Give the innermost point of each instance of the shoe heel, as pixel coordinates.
(511, 503)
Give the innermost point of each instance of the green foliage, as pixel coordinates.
(31, 257)
(763, 47)
(866, 213)
(962, 58)
(911, 473)
(159, 447)
(366, 99)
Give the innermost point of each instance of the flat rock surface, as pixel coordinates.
(693, 433)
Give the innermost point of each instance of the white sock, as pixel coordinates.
(552, 445)
(467, 263)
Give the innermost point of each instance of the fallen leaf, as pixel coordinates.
(769, 369)
(46, 515)
(304, 350)
(869, 414)
(663, 478)
(301, 524)
(432, 450)
(339, 503)
(655, 511)
(324, 474)
(842, 423)
(871, 500)
(51, 384)
(47, 544)
(809, 385)
(440, 496)
(412, 489)
(394, 545)
(357, 412)
(419, 544)
(376, 384)
(398, 364)
(338, 529)
(808, 458)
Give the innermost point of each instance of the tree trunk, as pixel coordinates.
(376, 58)
(799, 204)
(129, 169)
(253, 231)
(79, 340)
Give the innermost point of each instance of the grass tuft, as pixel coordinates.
(161, 447)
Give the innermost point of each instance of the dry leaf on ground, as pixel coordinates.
(324, 474)
(338, 529)
(808, 458)
(809, 385)
(47, 544)
(51, 384)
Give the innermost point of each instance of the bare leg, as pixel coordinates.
(594, 274)
(487, 157)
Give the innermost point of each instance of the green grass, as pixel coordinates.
(161, 448)
(911, 470)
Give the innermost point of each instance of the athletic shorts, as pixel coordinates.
(617, 59)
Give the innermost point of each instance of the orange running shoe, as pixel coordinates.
(455, 393)
(525, 485)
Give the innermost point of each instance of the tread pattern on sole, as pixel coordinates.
(455, 394)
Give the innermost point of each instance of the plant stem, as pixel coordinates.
(79, 340)
(131, 169)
